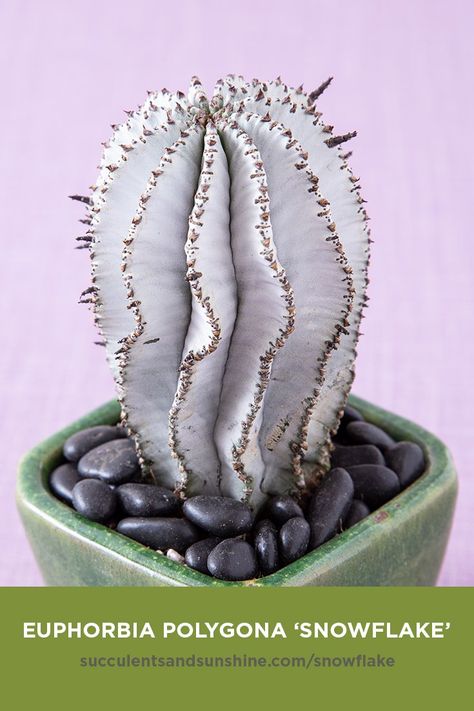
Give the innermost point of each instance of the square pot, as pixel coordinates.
(402, 543)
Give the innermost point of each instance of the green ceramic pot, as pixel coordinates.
(402, 543)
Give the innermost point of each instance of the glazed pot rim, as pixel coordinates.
(33, 493)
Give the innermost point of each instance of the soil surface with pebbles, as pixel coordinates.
(101, 479)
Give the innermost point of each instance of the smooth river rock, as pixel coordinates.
(366, 433)
(329, 506)
(266, 546)
(160, 533)
(63, 480)
(233, 559)
(94, 500)
(219, 515)
(407, 461)
(114, 462)
(197, 554)
(294, 539)
(374, 484)
(281, 508)
(351, 414)
(82, 442)
(357, 511)
(147, 500)
(349, 456)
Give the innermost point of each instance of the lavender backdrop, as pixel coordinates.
(403, 78)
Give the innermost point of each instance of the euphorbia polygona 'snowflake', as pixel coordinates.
(229, 251)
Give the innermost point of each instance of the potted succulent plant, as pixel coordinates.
(229, 249)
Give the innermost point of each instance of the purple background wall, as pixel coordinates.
(403, 78)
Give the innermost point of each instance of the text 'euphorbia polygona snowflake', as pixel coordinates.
(229, 249)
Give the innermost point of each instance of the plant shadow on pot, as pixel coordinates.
(402, 543)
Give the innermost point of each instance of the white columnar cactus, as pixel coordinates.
(229, 249)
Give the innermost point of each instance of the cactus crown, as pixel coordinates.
(229, 251)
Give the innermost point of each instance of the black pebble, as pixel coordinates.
(196, 555)
(160, 533)
(407, 461)
(63, 480)
(366, 433)
(358, 454)
(351, 414)
(147, 500)
(266, 546)
(374, 484)
(219, 515)
(281, 508)
(94, 500)
(82, 442)
(294, 539)
(114, 462)
(233, 559)
(356, 513)
(329, 506)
